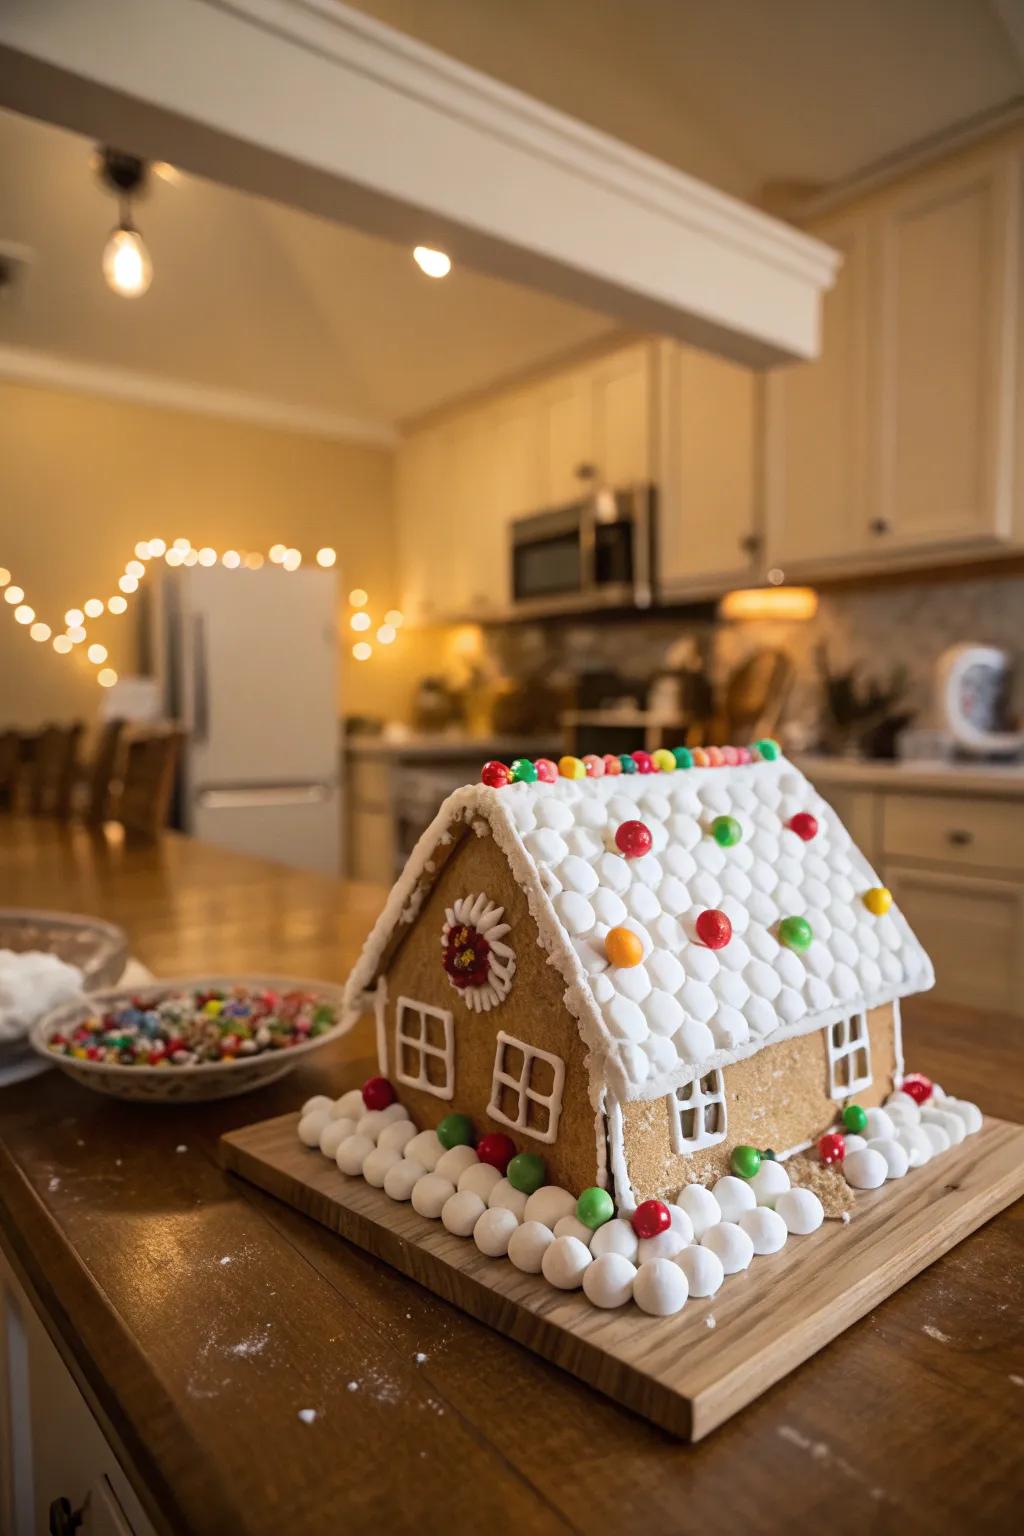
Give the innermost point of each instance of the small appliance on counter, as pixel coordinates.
(973, 694)
(595, 554)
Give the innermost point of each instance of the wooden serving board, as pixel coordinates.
(690, 1372)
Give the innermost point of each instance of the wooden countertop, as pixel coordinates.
(199, 1316)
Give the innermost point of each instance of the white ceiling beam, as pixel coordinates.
(313, 104)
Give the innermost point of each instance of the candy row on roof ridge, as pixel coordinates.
(524, 770)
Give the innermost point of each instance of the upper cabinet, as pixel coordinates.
(898, 442)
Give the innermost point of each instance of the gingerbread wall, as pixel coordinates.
(777, 1098)
(533, 1012)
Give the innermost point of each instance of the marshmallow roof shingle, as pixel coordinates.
(685, 1009)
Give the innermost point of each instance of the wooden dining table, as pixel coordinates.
(259, 1376)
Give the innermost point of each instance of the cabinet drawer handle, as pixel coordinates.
(959, 837)
(879, 525)
(750, 543)
(63, 1519)
(586, 471)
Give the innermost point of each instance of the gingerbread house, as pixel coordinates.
(632, 972)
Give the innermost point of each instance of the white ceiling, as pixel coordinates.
(254, 298)
(745, 94)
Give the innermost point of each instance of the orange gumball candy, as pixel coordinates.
(623, 947)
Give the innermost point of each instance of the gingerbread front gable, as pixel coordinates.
(753, 844)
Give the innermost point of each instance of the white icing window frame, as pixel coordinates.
(520, 1086)
(705, 1097)
(424, 1049)
(846, 1039)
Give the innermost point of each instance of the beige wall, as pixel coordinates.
(83, 479)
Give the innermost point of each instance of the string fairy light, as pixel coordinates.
(180, 552)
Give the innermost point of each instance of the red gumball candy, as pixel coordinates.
(714, 928)
(650, 1218)
(804, 825)
(547, 771)
(377, 1093)
(633, 838)
(496, 1149)
(495, 775)
(832, 1148)
(918, 1087)
(644, 762)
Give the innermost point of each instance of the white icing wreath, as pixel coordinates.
(478, 964)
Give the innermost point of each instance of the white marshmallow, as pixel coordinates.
(461, 1212)
(527, 1246)
(681, 1223)
(902, 1101)
(401, 1179)
(866, 1169)
(897, 1160)
(373, 1121)
(769, 1182)
(453, 1163)
(969, 1113)
(317, 1102)
(503, 1194)
(701, 1206)
(665, 1245)
(951, 1124)
(702, 1268)
(571, 1226)
(916, 1144)
(608, 1282)
(397, 1135)
(429, 1195)
(493, 1231)
(853, 1141)
(903, 1114)
(426, 1149)
(730, 1244)
(615, 1236)
(350, 1106)
(563, 1262)
(936, 1138)
(549, 1204)
(312, 1125)
(352, 1153)
(734, 1196)
(765, 1228)
(660, 1288)
(879, 1124)
(377, 1163)
(801, 1210)
(480, 1178)
(333, 1134)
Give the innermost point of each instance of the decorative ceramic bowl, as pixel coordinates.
(187, 1084)
(99, 950)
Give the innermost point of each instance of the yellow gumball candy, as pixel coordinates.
(664, 760)
(571, 768)
(623, 947)
(878, 900)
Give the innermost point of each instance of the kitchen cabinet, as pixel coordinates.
(898, 443)
(707, 472)
(972, 928)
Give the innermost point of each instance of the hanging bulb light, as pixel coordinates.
(126, 265)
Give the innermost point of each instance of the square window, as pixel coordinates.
(849, 1056)
(425, 1048)
(526, 1088)
(699, 1116)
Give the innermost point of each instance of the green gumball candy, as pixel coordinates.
(683, 757)
(855, 1119)
(523, 771)
(768, 749)
(526, 1172)
(745, 1161)
(456, 1131)
(594, 1207)
(768, 1156)
(795, 933)
(726, 831)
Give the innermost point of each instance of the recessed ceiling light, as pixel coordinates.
(432, 263)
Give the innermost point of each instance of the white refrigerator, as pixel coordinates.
(248, 662)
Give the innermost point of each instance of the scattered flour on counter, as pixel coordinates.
(1018, 1381)
(255, 1344)
(353, 1386)
(182, 1148)
(225, 1260)
(307, 1415)
(709, 1322)
(53, 1185)
(420, 1357)
(935, 1333)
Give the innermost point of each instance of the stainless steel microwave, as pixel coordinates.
(594, 554)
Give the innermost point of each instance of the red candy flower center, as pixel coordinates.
(467, 957)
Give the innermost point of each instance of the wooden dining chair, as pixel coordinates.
(10, 769)
(148, 782)
(52, 770)
(102, 773)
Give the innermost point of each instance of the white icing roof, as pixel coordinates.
(685, 1009)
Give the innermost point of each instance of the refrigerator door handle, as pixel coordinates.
(200, 688)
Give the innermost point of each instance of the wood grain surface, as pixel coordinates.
(690, 1372)
(908, 1422)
